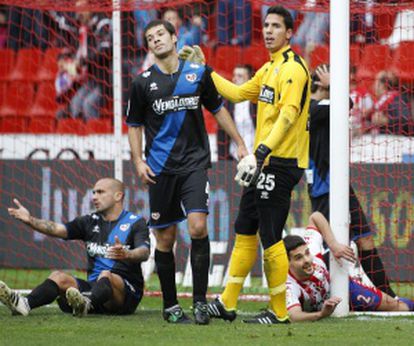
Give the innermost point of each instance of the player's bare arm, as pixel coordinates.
(227, 124)
(47, 227)
(135, 143)
(121, 253)
(338, 250)
(296, 313)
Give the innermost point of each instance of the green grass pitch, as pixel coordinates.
(49, 326)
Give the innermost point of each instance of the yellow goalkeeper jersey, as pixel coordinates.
(280, 85)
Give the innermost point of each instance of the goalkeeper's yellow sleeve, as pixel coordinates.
(238, 93)
(284, 122)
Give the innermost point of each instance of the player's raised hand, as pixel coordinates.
(193, 54)
(329, 306)
(145, 173)
(19, 213)
(324, 76)
(343, 251)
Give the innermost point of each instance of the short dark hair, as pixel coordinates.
(167, 25)
(292, 242)
(283, 12)
(248, 68)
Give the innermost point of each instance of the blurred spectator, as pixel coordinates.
(244, 115)
(3, 29)
(189, 34)
(94, 59)
(234, 22)
(391, 111)
(142, 18)
(362, 104)
(313, 29)
(66, 81)
(362, 24)
(403, 28)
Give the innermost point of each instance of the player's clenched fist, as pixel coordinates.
(193, 54)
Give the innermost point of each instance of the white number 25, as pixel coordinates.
(266, 182)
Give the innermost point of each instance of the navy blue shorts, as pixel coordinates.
(363, 298)
(173, 197)
(133, 296)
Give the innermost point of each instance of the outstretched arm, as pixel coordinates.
(338, 250)
(47, 227)
(296, 313)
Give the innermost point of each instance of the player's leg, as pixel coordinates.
(273, 195)
(368, 254)
(194, 196)
(166, 212)
(243, 257)
(54, 286)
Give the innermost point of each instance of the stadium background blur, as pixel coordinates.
(56, 117)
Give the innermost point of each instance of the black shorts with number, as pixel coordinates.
(173, 197)
(359, 227)
(133, 296)
(266, 206)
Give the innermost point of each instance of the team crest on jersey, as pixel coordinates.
(146, 74)
(124, 227)
(153, 86)
(155, 216)
(191, 77)
(96, 229)
(267, 94)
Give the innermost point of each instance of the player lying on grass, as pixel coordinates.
(116, 240)
(308, 285)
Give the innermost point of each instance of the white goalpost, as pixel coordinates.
(339, 144)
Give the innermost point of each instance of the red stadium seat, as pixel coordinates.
(71, 126)
(7, 60)
(49, 67)
(403, 61)
(375, 58)
(45, 100)
(320, 55)
(256, 56)
(99, 126)
(18, 99)
(27, 65)
(42, 124)
(354, 55)
(14, 124)
(226, 57)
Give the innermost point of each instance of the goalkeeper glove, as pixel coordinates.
(250, 167)
(193, 54)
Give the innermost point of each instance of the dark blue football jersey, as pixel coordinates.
(169, 107)
(99, 234)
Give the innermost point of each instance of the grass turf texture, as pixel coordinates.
(48, 325)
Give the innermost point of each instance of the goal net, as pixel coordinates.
(57, 120)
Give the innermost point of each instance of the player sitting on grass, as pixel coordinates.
(116, 240)
(308, 285)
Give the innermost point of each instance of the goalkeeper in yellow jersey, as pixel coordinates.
(281, 88)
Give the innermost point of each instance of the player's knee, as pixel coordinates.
(198, 229)
(62, 279)
(105, 274)
(165, 241)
